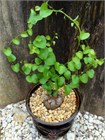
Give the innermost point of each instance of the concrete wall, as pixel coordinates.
(12, 87)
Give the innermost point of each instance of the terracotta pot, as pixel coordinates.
(52, 130)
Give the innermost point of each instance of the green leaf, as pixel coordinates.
(88, 60)
(67, 74)
(34, 67)
(40, 41)
(33, 49)
(41, 68)
(83, 47)
(61, 81)
(92, 52)
(77, 62)
(43, 53)
(50, 59)
(78, 65)
(48, 37)
(34, 18)
(24, 34)
(48, 86)
(38, 61)
(32, 79)
(39, 75)
(16, 41)
(73, 85)
(7, 51)
(30, 32)
(30, 26)
(46, 73)
(84, 35)
(75, 79)
(61, 69)
(57, 64)
(15, 67)
(71, 66)
(67, 89)
(37, 8)
(84, 78)
(94, 64)
(100, 61)
(11, 58)
(27, 68)
(72, 24)
(86, 50)
(48, 44)
(43, 80)
(90, 73)
(79, 54)
(44, 11)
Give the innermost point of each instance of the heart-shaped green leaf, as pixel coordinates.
(44, 11)
(16, 41)
(84, 78)
(90, 73)
(11, 58)
(71, 66)
(84, 35)
(15, 67)
(34, 18)
(32, 79)
(79, 54)
(24, 34)
(67, 74)
(7, 51)
(40, 41)
(50, 59)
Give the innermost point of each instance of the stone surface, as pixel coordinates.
(27, 131)
(19, 116)
(70, 136)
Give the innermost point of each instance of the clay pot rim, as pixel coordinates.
(51, 123)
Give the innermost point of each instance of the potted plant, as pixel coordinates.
(54, 102)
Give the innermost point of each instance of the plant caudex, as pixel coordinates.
(45, 69)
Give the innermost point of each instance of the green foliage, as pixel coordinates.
(71, 66)
(84, 78)
(7, 51)
(50, 60)
(44, 11)
(11, 58)
(67, 89)
(30, 32)
(40, 41)
(15, 67)
(44, 68)
(90, 73)
(24, 34)
(67, 74)
(32, 78)
(84, 35)
(16, 41)
(79, 54)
